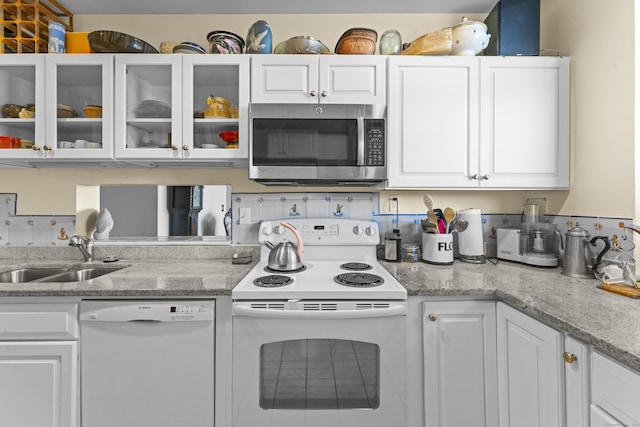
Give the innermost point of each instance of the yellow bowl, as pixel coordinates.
(93, 111)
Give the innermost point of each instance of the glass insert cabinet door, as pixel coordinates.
(319, 374)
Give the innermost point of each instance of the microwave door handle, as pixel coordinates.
(360, 159)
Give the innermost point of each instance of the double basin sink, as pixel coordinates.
(74, 273)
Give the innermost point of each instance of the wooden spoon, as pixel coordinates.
(433, 219)
(449, 215)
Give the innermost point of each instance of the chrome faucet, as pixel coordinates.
(85, 244)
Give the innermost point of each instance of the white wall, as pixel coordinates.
(597, 34)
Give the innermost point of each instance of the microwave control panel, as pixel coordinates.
(374, 142)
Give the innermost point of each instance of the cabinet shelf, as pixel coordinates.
(151, 125)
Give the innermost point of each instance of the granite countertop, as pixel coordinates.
(577, 306)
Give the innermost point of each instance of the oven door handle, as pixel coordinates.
(360, 124)
(241, 310)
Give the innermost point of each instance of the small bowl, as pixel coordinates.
(93, 111)
(229, 136)
(66, 112)
(225, 42)
(186, 49)
(11, 111)
(357, 41)
(209, 146)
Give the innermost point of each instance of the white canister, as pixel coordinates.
(470, 241)
(437, 248)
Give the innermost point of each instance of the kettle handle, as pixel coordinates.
(300, 248)
(607, 246)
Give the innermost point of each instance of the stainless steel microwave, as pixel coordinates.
(317, 144)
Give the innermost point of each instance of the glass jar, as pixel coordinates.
(411, 252)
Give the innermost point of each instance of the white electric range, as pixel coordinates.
(310, 351)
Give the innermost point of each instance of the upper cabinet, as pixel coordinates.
(312, 79)
(22, 86)
(167, 111)
(478, 122)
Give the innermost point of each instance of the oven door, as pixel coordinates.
(319, 363)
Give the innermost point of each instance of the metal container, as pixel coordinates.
(577, 254)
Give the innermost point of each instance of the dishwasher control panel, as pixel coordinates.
(146, 311)
(186, 311)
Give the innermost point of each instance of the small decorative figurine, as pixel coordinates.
(104, 224)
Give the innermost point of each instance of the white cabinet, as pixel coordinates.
(73, 81)
(524, 122)
(22, 82)
(577, 357)
(530, 371)
(460, 378)
(312, 79)
(615, 390)
(480, 122)
(159, 96)
(600, 418)
(432, 122)
(39, 369)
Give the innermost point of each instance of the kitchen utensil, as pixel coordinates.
(576, 255)
(104, 41)
(449, 216)
(358, 41)
(433, 219)
(286, 256)
(428, 201)
(461, 225)
(427, 227)
(625, 290)
(440, 217)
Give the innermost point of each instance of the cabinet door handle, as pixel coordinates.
(569, 357)
(324, 94)
(35, 147)
(485, 177)
(47, 148)
(174, 148)
(185, 147)
(474, 177)
(433, 317)
(312, 93)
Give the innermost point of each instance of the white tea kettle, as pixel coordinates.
(285, 256)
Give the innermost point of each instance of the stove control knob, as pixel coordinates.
(278, 229)
(267, 230)
(358, 230)
(370, 231)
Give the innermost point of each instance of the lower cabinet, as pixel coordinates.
(39, 365)
(460, 378)
(530, 371)
(614, 390)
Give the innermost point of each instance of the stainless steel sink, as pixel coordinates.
(28, 274)
(75, 273)
(79, 275)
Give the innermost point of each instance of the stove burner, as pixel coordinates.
(272, 281)
(275, 270)
(356, 266)
(358, 280)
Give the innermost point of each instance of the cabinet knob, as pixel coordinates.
(174, 148)
(485, 177)
(312, 93)
(474, 177)
(35, 147)
(47, 148)
(433, 317)
(569, 357)
(324, 94)
(185, 147)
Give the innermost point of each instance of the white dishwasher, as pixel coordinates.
(147, 363)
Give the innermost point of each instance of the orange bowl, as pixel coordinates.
(229, 136)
